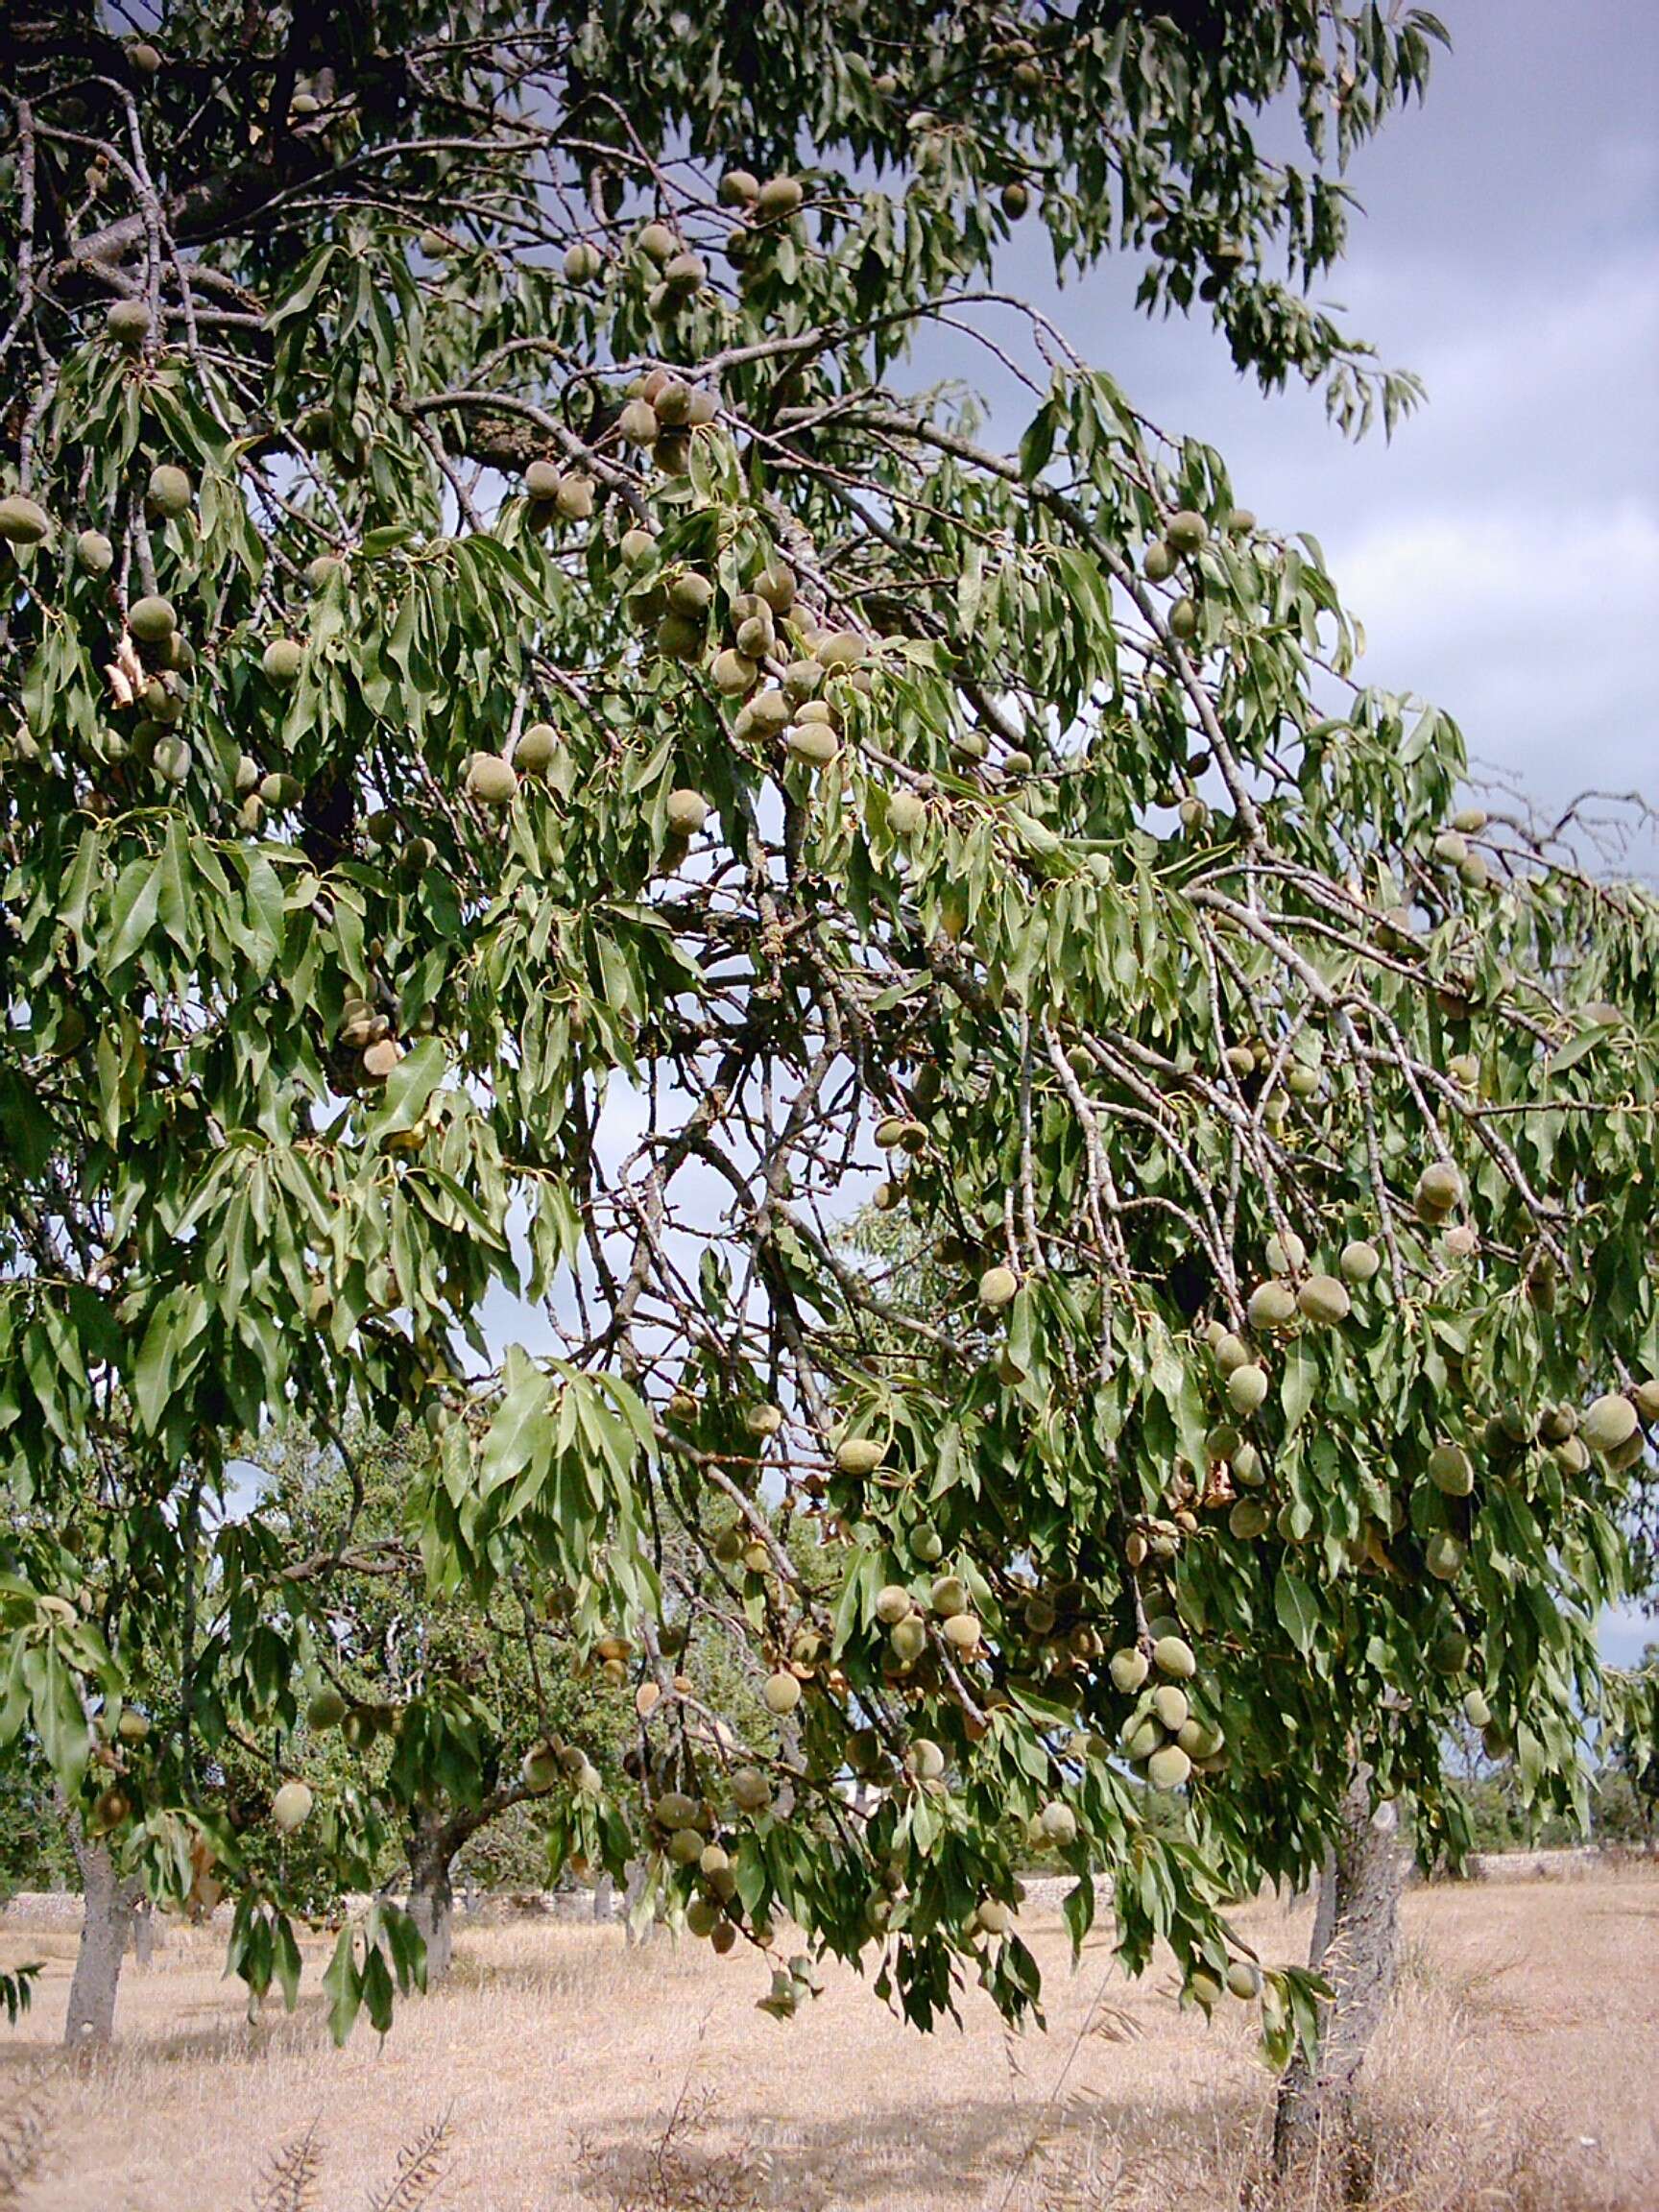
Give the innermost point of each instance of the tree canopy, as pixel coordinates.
(533, 757)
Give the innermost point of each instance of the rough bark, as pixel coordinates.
(431, 1899)
(1356, 1945)
(1324, 1911)
(637, 1872)
(146, 1935)
(108, 1902)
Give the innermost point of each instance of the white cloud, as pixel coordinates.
(1533, 628)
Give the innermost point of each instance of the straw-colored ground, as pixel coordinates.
(1521, 2068)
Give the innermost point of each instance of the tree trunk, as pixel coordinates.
(145, 1934)
(638, 1875)
(1324, 1910)
(1356, 1944)
(431, 1900)
(109, 1903)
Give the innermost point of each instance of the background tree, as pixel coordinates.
(34, 1851)
(471, 1696)
(522, 718)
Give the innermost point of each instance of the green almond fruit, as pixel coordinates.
(840, 649)
(1360, 1260)
(1439, 1187)
(1169, 1705)
(1322, 1298)
(860, 1456)
(291, 1805)
(1248, 1390)
(170, 491)
(152, 619)
(768, 711)
(687, 812)
(1608, 1423)
(94, 553)
(907, 812)
(732, 673)
(638, 422)
(1443, 1555)
(1451, 1470)
(949, 1596)
(171, 760)
(1449, 1653)
(1285, 1254)
(1199, 1741)
(535, 748)
(490, 779)
(1169, 1769)
(23, 521)
(925, 1760)
(778, 198)
(812, 744)
(1157, 562)
(1058, 1824)
(127, 322)
(282, 660)
(279, 791)
(1271, 1306)
(1141, 1736)
(1186, 531)
(781, 1694)
(907, 1640)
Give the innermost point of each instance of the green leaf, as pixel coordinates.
(519, 1426)
(132, 911)
(409, 1088)
(1298, 1615)
(344, 1984)
(1296, 1390)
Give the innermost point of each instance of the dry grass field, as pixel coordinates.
(1520, 2069)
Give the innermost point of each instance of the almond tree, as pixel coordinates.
(533, 754)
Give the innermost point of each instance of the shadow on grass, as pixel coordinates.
(1088, 2147)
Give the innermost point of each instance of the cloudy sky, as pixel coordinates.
(1503, 552)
